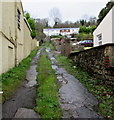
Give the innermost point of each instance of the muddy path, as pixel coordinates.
(23, 100)
(75, 100)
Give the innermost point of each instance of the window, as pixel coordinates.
(18, 17)
(99, 38)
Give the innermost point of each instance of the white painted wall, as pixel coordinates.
(56, 31)
(113, 25)
(106, 28)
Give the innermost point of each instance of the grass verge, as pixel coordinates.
(13, 78)
(49, 44)
(47, 100)
(104, 95)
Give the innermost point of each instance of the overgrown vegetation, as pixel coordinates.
(87, 30)
(47, 93)
(102, 93)
(104, 11)
(49, 44)
(13, 78)
(40, 25)
(0, 89)
(32, 25)
(57, 36)
(85, 33)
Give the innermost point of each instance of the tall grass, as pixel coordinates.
(47, 93)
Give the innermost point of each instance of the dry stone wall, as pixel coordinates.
(97, 61)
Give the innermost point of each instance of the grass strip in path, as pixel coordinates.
(103, 94)
(14, 77)
(47, 93)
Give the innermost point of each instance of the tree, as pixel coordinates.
(83, 29)
(77, 24)
(55, 16)
(45, 22)
(93, 21)
(93, 27)
(87, 30)
(32, 24)
(33, 34)
(104, 11)
(40, 25)
(82, 22)
(27, 15)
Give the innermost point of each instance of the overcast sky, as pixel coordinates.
(71, 10)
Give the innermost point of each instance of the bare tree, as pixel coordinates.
(93, 21)
(55, 15)
(85, 17)
(45, 22)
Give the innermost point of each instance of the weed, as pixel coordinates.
(47, 92)
(13, 78)
(104, 95)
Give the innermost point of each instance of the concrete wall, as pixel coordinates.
(7, 32)
(34, 43)
(15, 43)
(27, 41)
(106, 29)
(20, 33)
(8, 19)
(98, 62)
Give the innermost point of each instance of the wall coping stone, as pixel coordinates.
(101, 46)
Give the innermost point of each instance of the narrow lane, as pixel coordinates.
(23, 100)
(75, 100)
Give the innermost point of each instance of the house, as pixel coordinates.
(15, 35)
(62, 31)
(104, 33)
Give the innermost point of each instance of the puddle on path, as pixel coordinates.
(75, 100)
(24, 96)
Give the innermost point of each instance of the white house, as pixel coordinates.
(62, 31)
(104, 33)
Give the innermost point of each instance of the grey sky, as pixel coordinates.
(71, 10)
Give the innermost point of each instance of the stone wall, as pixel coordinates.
(98, 61)
(63, 46)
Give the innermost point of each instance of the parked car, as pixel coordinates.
(86, 43)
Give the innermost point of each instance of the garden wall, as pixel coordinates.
(63, 46)
(98, 61)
